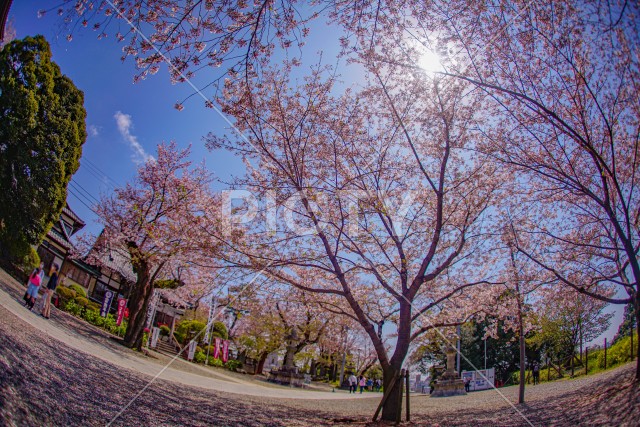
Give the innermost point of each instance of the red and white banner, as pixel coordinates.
(216, 350)
(225, 351)
(122, 306)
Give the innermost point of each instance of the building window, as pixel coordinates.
(79, 276)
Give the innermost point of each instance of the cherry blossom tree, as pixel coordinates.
(524, 281)
(273, 314)
(153, 222)
(563, 80)
(385, 200)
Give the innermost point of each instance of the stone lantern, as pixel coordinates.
(449, 383)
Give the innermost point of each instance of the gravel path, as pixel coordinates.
(44, 381)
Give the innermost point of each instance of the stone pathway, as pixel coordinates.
(47, 377)
(85, 338)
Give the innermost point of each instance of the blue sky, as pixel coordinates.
(126, 121)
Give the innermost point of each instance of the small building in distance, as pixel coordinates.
(56, 249)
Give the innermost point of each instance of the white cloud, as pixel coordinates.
(92, 130)
(124, 123)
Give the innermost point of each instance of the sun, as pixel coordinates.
(430, 62)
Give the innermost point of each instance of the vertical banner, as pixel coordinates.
(106, 303)
(192, 350)
(122, 305)
(154, 337)
(151, 310)
(212, 308)
(225, 351)
(216, 351)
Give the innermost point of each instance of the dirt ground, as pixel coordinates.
(45, 382)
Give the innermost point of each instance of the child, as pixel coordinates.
(32, 290)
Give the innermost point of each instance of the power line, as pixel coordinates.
(95, 167)
(81, 189)
(80, 199)
(101, 178)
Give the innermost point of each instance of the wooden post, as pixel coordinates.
(399, 413)
(605, 353)
(407, 386)
(548, 369)
(586, 360)
(573, 356)
(385, 396)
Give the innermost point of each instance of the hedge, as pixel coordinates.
(93, 316)
(65, 293)
(78, 289)
(82, 301)
(93, 306)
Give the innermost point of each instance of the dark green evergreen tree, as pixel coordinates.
(628, 323)
(42, 130)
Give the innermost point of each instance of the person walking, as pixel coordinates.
(536, 373)
(353, 383)
(32, 290)
(362, 383)
(378, 384)
(467, 384)
(51, 287)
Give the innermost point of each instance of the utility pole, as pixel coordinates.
(485, 353)
(458, 348)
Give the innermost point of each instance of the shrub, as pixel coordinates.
(215, 362)
(71, 307)
(30, 261)
(145, 338)
(81, 301)
(93, 306)
(110, 323)
(100, 321)
(65, 293)
(90, 316)
(121, 330)
(199, 357)
(232, 365)
(78, 289)
(164, 330)
(187, 329)
(617, 354)
(218, 329)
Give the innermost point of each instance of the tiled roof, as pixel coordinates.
(79, 222)
(61, 239)
(117, 260)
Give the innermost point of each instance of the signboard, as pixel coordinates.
(154, 336)
(151, 310)
(480, 380)
(192, 350)
(216, 350)
(106, 303)
(122, 306)
(225, 351)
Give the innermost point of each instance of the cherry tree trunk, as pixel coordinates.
(138, 304)
(260, 367)
(522, 363)
(393, 404)
(637, 310)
